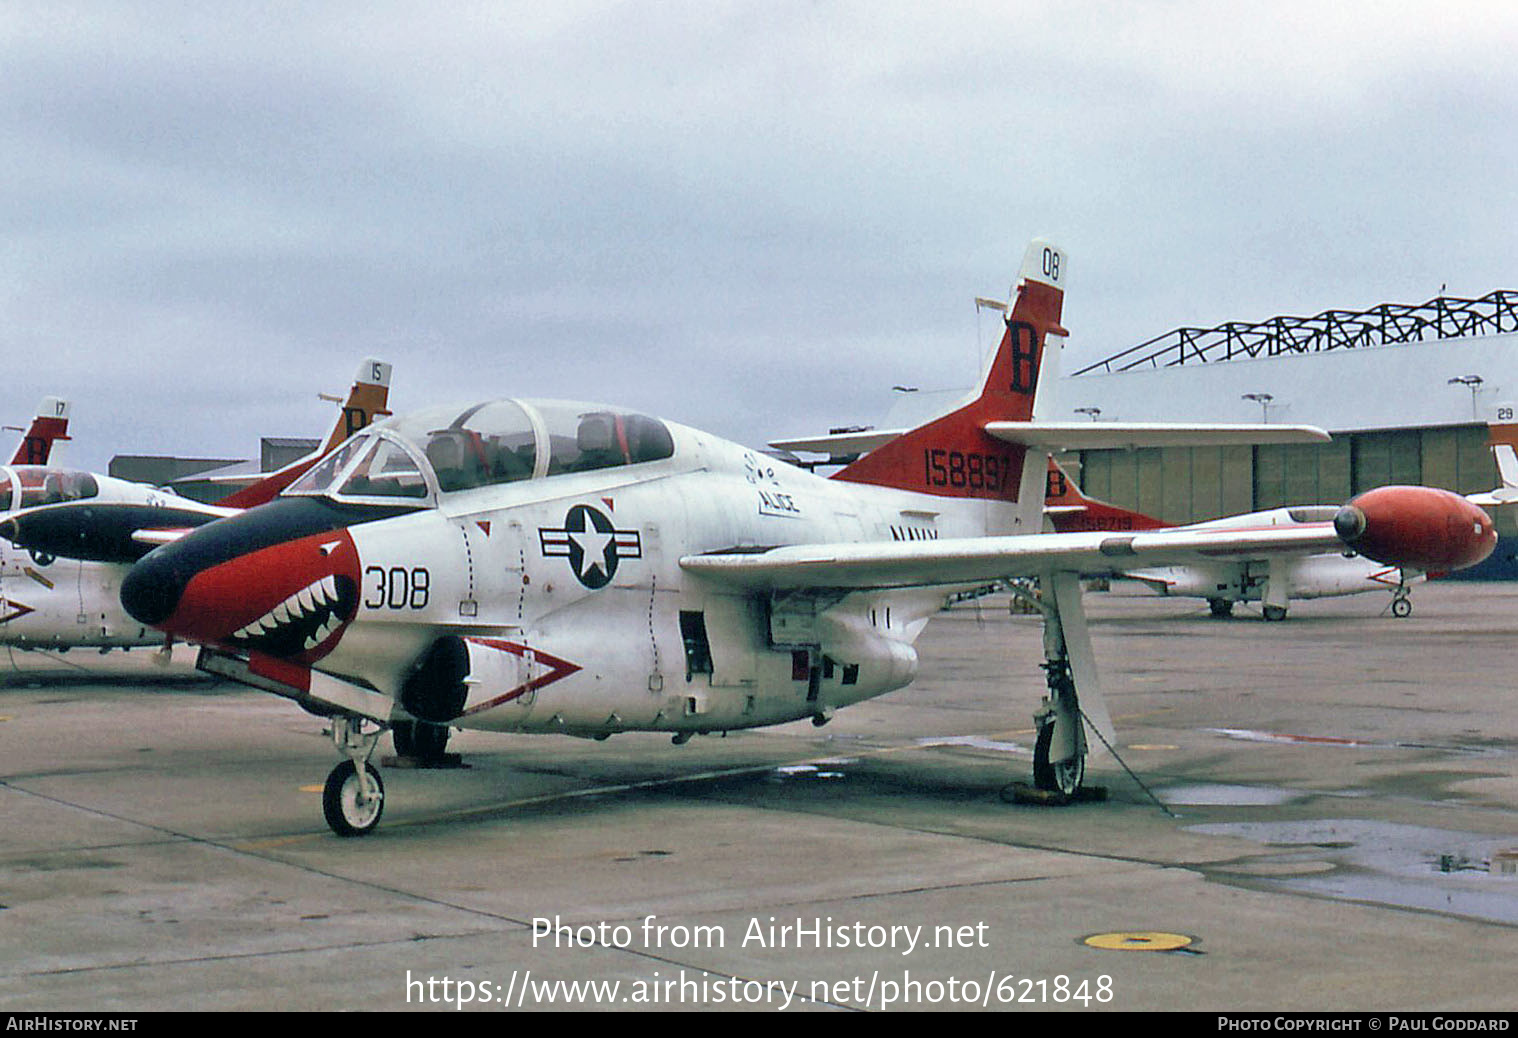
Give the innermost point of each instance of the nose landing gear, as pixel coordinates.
(354, 797)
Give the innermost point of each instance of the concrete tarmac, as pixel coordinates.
(1336, 829)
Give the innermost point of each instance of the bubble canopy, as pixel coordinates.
(409, 458)
(23, 486)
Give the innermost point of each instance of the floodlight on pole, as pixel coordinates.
(1263, 399)
(1471, 382)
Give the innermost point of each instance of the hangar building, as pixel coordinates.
(1407, 391)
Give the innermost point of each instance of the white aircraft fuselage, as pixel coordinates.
(567, 593)
(50, 601)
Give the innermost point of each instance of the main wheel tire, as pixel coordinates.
(1064, 777)
(342, 800)
(1220, 606)
(419, 739)
(1275, 612)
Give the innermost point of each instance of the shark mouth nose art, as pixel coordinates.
(304, 620)
(252, 585)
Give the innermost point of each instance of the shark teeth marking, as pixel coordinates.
(299, 623)
(323, 632)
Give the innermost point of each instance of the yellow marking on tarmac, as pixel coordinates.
(1153, 746)
(1140, 940)
(317, 788)
(5, 717)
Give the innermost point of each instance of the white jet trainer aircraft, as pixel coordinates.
(542, 566)
(75, 533)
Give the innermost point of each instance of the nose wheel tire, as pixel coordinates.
(1063, 777)
(347, 810)
(1401, 607)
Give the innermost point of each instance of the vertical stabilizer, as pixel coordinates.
(50, 425)
(366, 402)
(953, 456)
(1071, 511)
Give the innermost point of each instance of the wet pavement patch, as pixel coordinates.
(1438, 870)
(1224, 795)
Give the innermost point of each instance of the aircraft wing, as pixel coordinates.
(1412, 527)
(1507, 469)
(888, 564)
(96, 531)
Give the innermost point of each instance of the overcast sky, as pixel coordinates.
(751, 218)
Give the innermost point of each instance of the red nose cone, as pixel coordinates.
(1418, 528)
(291, 600)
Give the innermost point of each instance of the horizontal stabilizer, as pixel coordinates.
(1507, 469)
(1078, 436)
(840, 443)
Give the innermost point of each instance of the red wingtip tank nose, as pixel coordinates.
(1417, 528)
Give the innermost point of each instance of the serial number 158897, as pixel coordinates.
(966, 469)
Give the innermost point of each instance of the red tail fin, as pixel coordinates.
(366, 402)
(1071, 511)
(50, 424)
(954, 456)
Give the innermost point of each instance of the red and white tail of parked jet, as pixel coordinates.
(50, 425)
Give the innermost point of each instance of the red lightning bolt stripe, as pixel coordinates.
(557, 670)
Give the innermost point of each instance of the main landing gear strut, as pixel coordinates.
(1060, 750)
(1059, 709)
(354, 797)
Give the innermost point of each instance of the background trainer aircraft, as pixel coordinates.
(60, 584)
(1272, 580)
(543, 566)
